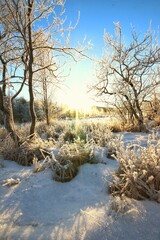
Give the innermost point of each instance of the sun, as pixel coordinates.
(78, 100)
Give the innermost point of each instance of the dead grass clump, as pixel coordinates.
(118, 125)
(3, 136)
(23, 130)
(115, 124)
(9, 148)
(69, 136)
(138, 175)
(25, 153)
(70, 157)
(30, 149)
(46, 132)
(100, 133)
(134, 128)
(157, 120)
(73, 132)
(3, 133)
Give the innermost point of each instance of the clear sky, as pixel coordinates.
(95, 16)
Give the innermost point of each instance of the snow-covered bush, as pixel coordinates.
(99, 132)
(138, 175)
(70, 157)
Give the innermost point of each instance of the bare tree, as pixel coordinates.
(10, 60)
(129, 72)
(45, 75)
(31, 19)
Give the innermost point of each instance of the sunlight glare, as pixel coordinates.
(78, 100)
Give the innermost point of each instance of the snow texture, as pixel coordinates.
(38, 208)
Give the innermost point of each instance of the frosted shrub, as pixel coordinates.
(46, 132)
(138, 175)
(25, 153)
(100, 133)
(69, 135)
(67, 131)
(70, 157)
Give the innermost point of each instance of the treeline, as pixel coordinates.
(22, 114)
(21, 111)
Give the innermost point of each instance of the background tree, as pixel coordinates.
(46, 76)
(21, 110)
(129, 73)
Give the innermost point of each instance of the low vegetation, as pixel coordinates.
(138, 175)
(65, 145)
(74, 141)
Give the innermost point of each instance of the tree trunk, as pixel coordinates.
(139, 116)
(6, 107)
(30, 70)
(47, 113)
(140, 123)
(46, 107)
(136, 111)
(9, 121)
(32, 110)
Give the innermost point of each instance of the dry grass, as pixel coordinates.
(76, 142)
(3, 133)
(73, 143)
(25, 153)
(138, 175)
(157, 120)
(100, 133)
(69, 158)
(8, 148)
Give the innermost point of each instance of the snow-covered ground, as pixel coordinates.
(39, 208)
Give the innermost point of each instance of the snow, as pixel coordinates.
(37, 207)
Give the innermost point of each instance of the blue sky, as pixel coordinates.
(95, 17)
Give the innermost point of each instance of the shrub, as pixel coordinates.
(46, 131)
(138, 175)
(70, 157)
(26, 152)
(69, 136)
(100, 133)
